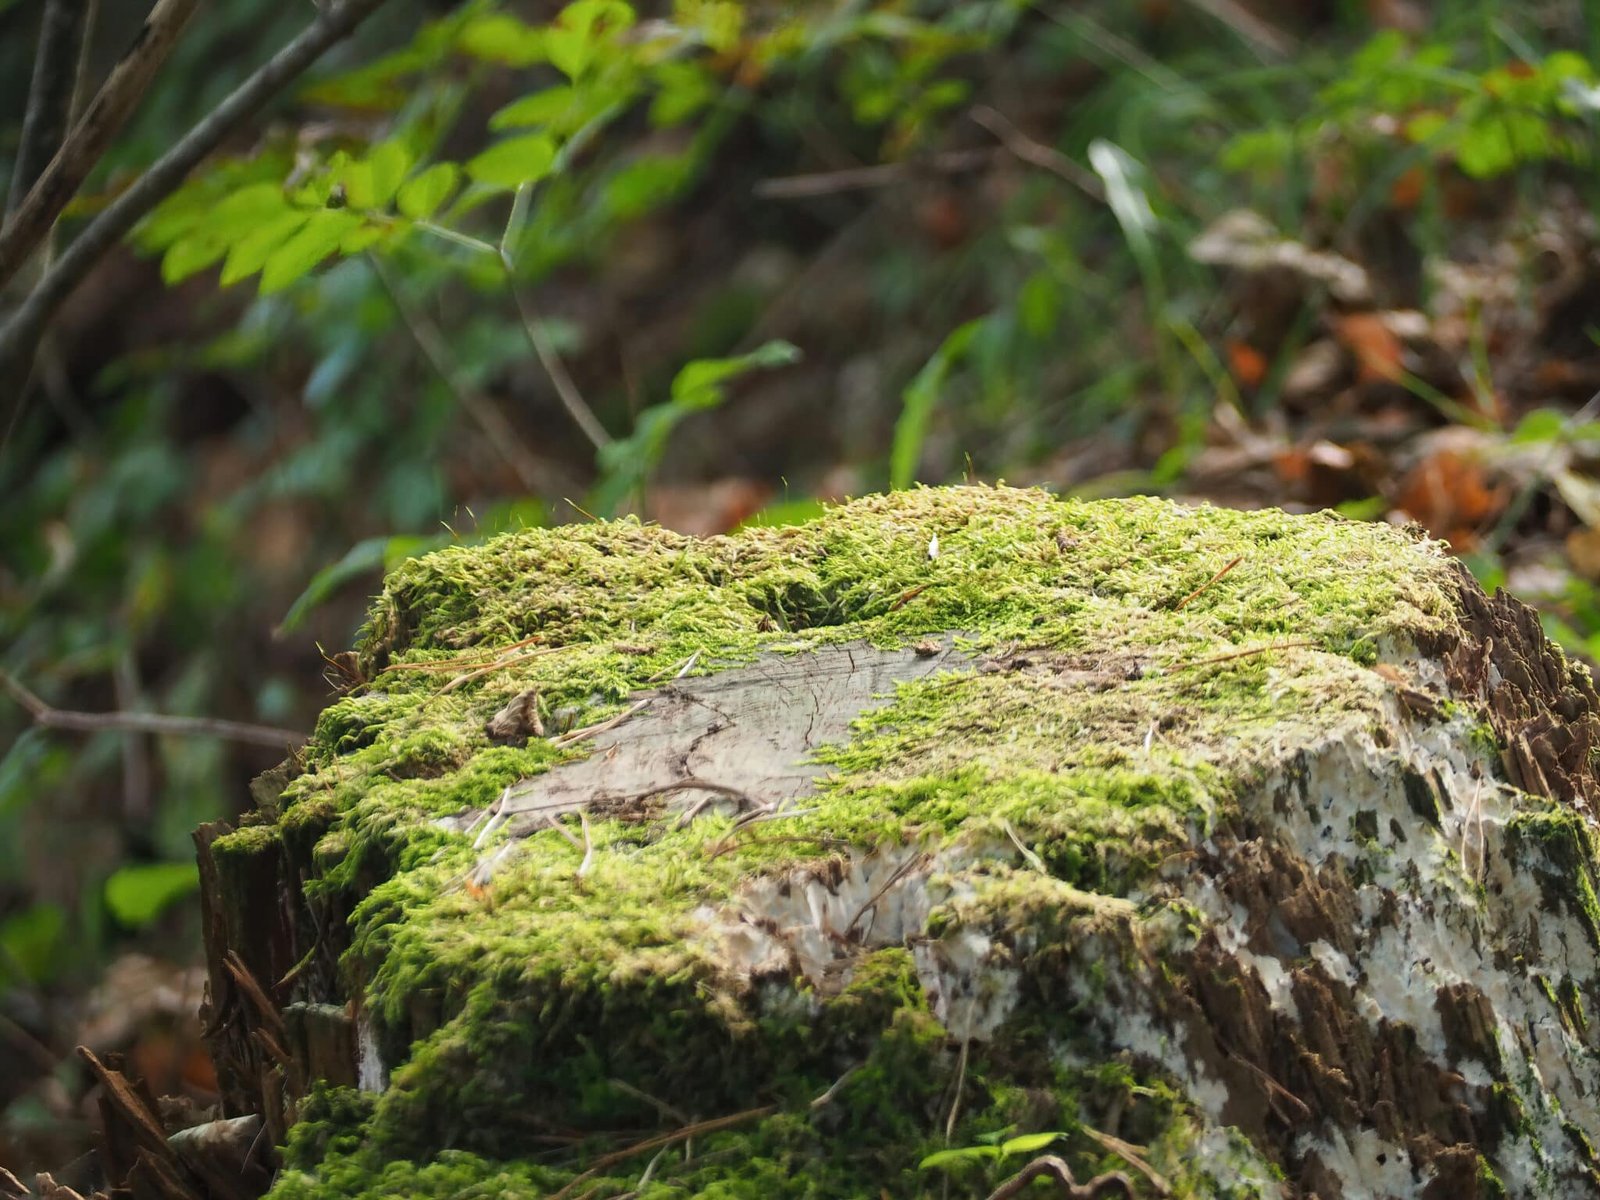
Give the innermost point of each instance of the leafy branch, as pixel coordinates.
(20, 334)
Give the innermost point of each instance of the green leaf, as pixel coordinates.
(540, 108)
(31, 940)
(917, 403)
(683, 89)
(964, 1154)
(719, 24)
(357, 181)
(139, 894)
(1540, 425)
(627, 462)
(245, 210)
(1039, 304)
(372, 554)
(377, 87)
(647, 183)
(249, 254)
(421, 197)
(388, 162)
(1029, 1143)
(515, 162)
(574, 41)
(699, 383)
(1121, 173)
(317, 238)
(185, 258)
(1426, 126)
(502, 38)
(360, 238)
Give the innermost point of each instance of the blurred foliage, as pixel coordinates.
(786, 251)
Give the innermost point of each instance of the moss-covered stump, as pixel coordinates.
(1247, 854)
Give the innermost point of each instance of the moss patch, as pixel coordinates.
(1119, 696)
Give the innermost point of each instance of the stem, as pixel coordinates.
(479, 407)
(460, 239)
(571, 398)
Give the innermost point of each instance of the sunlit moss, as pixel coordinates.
(513, 1008)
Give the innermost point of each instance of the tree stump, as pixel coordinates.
(1140, 849)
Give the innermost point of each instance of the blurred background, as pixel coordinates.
(499, 264)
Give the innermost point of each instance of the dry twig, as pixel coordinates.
(1208, 583)
(55, 68)
(851, 179)
(1049, 1166)
(91, 137)
(48, 717)
(1132, 1155)
(606, 1161)
(1253, 650)
(1036, 153)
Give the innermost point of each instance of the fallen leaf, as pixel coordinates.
(1376, 346)
(1451, 497)
(1248, 365)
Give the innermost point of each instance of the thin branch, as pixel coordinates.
(606, 1161)
(571, 398)
(1194, 595)
(661, 1106)
(92, 135)
(447, 234)
(21, 333)
(828, 1096)
(1269, 42)
(1133, 1155)
(1229, 657)
(1049, 1166)
(47, 717)
(588, 845)
(1037, 153)
(577, 408)
(496, 428)
(852, 179)
(578, 735)
(55, 73)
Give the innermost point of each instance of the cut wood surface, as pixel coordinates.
(1246, 854)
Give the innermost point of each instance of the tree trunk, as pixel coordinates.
(1245, 854)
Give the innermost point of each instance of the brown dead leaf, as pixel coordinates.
(1407, 190)
(702, 509)
(1583, 552)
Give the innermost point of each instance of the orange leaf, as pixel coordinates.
(1407, 190)
(1249, 365)
(1450, 495)
(1376, 348)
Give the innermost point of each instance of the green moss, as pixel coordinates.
(247, 842)
(510, 1007)
(1568, 846)
(1489, 1185)
(1572, 1006)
